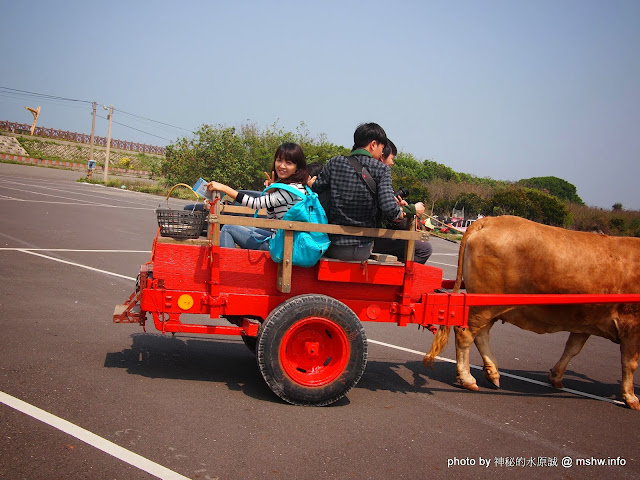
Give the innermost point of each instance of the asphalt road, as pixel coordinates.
(81, 397)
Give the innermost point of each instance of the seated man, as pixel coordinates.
(352, 202)
(390, 246)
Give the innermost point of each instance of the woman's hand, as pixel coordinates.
(270, 179)
(221, 187)
(213, 185)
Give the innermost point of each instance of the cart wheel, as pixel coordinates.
(312, 350)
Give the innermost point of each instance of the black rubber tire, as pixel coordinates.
(345, 361)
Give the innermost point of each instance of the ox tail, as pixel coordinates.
(441, 338)
(463, 244)
(440, 341)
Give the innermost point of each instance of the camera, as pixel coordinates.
(402, 193)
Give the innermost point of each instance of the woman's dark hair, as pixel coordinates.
(292, 152)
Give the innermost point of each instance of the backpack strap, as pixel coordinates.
(287, 187)
(283, 186)
(364, 174)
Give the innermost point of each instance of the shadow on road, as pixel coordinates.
(229, 361)
(193, 358)
(413, 377)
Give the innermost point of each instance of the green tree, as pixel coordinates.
(529, 203)
(554, 186)
(472, 203)
(407, 165)
(216, 153)
(548, 208)
(617, 225)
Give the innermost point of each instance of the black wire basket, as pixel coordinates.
(180, 223)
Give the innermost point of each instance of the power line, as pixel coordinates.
(43, 95)
(133, 128)
(9, 92)
(17, 97)
(151, 120)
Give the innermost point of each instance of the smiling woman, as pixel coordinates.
(289, 167)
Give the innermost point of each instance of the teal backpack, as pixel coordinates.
(308, 247)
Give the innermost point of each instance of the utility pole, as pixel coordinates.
(91, 164)
(106, 160)
(93, 131)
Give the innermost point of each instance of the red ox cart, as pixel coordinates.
(304, 324)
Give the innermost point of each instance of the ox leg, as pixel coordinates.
(489, 359)
(574, 345)
(629, 349)
(464, 340)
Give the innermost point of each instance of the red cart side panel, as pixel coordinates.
(350, 272)
(181, 266)
(249, 272)
(426, 279)
(253, 272)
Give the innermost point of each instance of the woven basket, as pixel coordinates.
(180, 223)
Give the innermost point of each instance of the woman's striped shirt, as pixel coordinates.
(277, 202)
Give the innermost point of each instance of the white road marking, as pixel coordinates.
(78, 203)
(90, 438)
(504, 374)
(439, 263)
(106, 193)
(42, 194)
(24, 250)
(72, 199)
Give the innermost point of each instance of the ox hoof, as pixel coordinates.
(473, 386)
(554, 380)
(633, 403)
(494, 381)
(493, 377)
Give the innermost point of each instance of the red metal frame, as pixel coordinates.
(240, 284)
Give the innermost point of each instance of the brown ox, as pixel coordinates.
(513, 255)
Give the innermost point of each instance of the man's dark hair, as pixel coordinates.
(314, 168)
(367, 133)
(389, 148)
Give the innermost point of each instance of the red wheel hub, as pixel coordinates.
(314, 351)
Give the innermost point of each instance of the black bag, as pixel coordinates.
(364, 175)
(368, 180)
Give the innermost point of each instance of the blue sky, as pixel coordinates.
(501, 89)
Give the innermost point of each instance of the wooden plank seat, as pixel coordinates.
(220, 217)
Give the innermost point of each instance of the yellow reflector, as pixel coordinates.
(185, 302)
